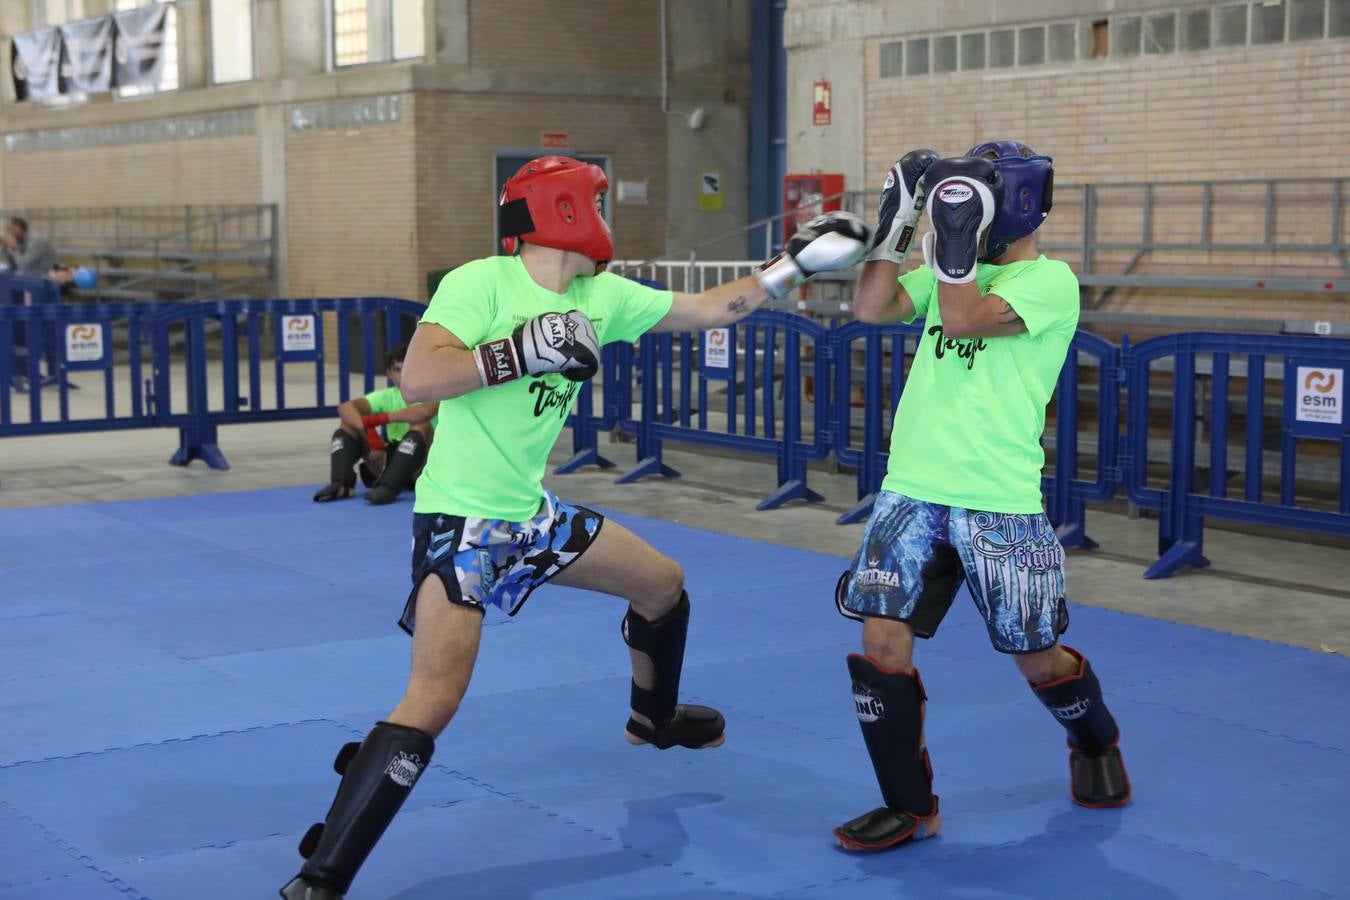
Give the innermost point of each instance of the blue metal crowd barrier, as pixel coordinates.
(40, 346)
(210, 381)
(881, 388)
(761, 409)
(1066, 494)
(616, 386)
(1311, 369)
(747, 388)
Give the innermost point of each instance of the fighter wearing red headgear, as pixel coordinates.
(503, 346)
(961, 502)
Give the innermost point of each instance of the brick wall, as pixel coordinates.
(210, 170)
(351, 210)
(592, 36)
(1261, 112)
(456, 137)
(1256, 113)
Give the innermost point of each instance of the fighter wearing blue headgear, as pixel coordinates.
(961, 502)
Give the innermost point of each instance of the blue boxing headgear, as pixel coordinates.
(1028, 180)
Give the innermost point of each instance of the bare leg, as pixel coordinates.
(1046, 665)
(379, 772)
(445, 647)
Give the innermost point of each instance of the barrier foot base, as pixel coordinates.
(795, 489)
(1073, 535)
(1178, 556)
(859, 512)
(649, 466)
(582, 459)
(207, 453)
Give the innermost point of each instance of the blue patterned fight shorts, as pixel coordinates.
(492, 562)
(915, 556)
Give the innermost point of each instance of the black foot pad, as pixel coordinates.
(299, 889)
(1099, 781)
(381, 495)
(691, 726)
(884, 828)
(334, 491)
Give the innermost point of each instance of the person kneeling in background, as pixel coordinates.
(358, 446)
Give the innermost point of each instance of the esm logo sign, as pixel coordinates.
(1319, 395)
(297, 334)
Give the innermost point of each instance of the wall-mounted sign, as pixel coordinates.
(820, 103)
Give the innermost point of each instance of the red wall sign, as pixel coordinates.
(820, 103)
(553, 140)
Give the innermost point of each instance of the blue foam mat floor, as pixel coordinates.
(176, 676)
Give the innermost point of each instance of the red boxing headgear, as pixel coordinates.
(551, 202)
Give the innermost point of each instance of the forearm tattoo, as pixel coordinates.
(738, 306)
(1008, 315)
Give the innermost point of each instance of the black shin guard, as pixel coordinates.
(400, 470)
(1096, 768)
(890, 711)
(343, 455)
(890, 707)
(675, 724)
(377, 776)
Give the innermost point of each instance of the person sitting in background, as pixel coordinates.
(357, 442)
(28, 255)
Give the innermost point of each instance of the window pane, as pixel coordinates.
(916, 57)
(1001, 45)
(409, 36)
(1268, 23)
(944, 53)
(231, 40)
(1125, 36)
(1231, 25)
(1062, 42)
(1195, 30)
(892, 59)
(1031, 46)
(1339, 26)
(350, 23)
(972, 51)
(1160, 34)
(1307, 20)
(57, 12)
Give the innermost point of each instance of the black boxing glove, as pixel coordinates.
(963, 194)
(553, 342)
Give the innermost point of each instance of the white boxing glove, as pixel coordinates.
(835, 240)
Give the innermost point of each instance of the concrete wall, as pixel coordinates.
(424, 183)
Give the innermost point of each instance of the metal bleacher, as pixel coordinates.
(183, 253)
(1242, 238)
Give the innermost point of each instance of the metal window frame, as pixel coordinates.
(1284, 30)
(1289, 24)
(961, 53)
(330, 24)
(1077, 29)
(881, 47)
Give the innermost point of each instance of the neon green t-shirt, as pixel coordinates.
(968, 428)
(488, 460)
(388, 400)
